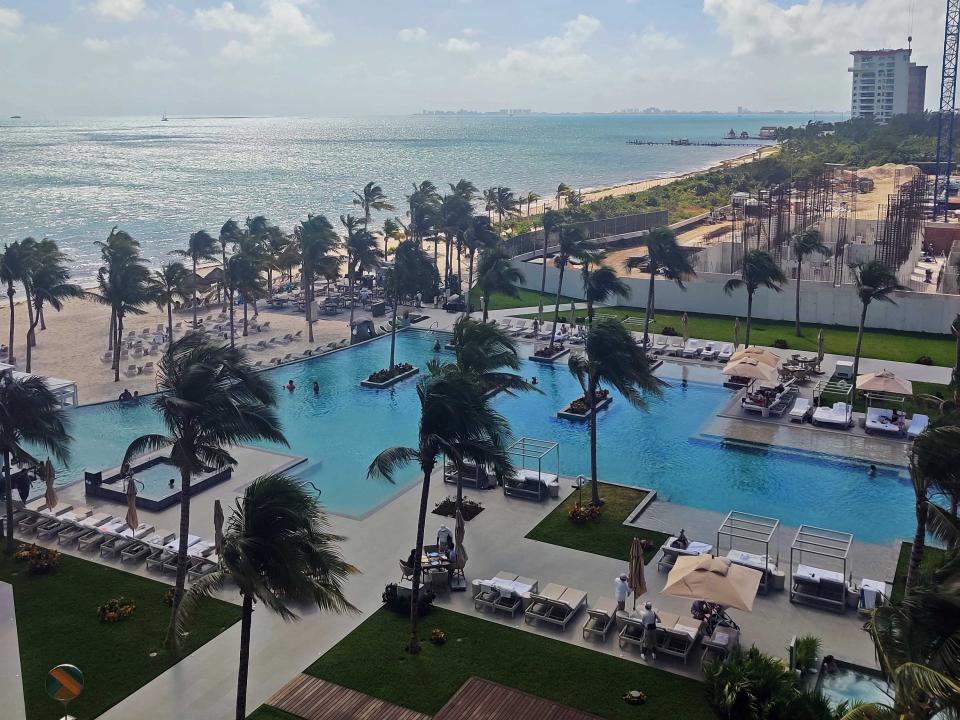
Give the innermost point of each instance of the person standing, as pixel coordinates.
(649, 618)
(620, 591)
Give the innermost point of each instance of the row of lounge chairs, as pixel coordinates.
(881, 420)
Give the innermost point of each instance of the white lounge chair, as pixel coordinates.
(726, 352)
(692, 349)
(659, 344)
(799, 410)
(669, 553)
(881, 420)
(840, 414)
(710, 351)
(918, 423)
(519, 328)
(676, 346)
(546, 331)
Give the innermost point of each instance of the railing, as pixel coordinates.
(593, 229)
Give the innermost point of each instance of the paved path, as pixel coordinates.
(11, 682)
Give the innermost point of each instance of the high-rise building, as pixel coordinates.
(886, 83)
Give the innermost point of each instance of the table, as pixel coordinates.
(432, 560)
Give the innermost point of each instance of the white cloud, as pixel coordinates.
(412, 34)
(282, 23)
(653, 40)
(10, 21)
(469, 32)
(96, 45)
(555, 56)
(459, 45)
(119, 10)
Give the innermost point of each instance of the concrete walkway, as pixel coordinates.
(11, 680)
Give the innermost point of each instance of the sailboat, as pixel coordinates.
(164, 118)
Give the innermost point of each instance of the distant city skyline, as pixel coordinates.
(318, 57)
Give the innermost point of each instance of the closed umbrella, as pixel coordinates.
(884, 381)
(736, 333)
(218, 526)
(635, 579)
(459, 530)
(573, 316)
(49, 475)
(686, 328)
(716, 580)
(750, 368)
(820, 343)
(132, 520)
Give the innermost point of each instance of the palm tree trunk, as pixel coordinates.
(592, 409)
(393, 329)
(414, 645)
(749, 317)
(799, 268)
(29, 298)
(270, 282)
(233, 332)
(309, 313)
(469, 293)
(648, 311)
(169, 326)
(181, 558)
(919, 538)
(350, 283)
(246, 620)
(43, 323)
(30, 336)
(245, 317)
(856, 350)
(459, 270)
(543, 278)
(194, 281)
(112, 331)
(556, 307)
(8, 502)
(486, 305)
(12, 308)
(116, 348)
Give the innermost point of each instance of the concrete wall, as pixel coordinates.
(820, 303)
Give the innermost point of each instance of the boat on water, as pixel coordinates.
(16, 117)
(164, 118)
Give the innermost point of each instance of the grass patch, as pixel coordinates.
(932, 559)
(266, 712)
(838, 340)
(607, 536)
(525, 298)
(57, 623)
(371, 660)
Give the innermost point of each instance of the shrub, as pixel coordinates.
(582, 514)
(781, 344)
(438, 636)
(448, 508)
(115, 610)
(579, 406)
(42, 560)
(168, 597)
(548, 351)
(924, 360)
(669, 330)
(401, 605)
(381, 376)
(805, 651)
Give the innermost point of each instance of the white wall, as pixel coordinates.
(820, 303)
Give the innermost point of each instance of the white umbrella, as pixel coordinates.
(716, 580)
(820, 344)
(750, 368)
(884, 381)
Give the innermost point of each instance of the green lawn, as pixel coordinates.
(606, 536)
(372, 660)
(932, 557)
(525, 298)
(265, 712)
(880, 344)
(57, 623)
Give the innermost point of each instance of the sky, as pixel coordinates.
(380, 57)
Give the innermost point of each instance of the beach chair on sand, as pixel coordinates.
(131, 371)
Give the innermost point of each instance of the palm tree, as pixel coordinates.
(611, 357)
(456, 420)
(246, 267)
(316, 243)
(370, 198)
(600, 283)
(479, 235)
(562, 190)
(551, 220)
(12, 270)
(412, 271)
(873, 281)
(573, 245)
(530, 198)
(803, 244)
(210, 398)
(200, 247)
(48, 281)
(490, 201)
(759, 270)
(454, 217)
(362, 253)
(276, 246)
(392, 230)
(465, 189)
(496, 274)
(423, 202)
(165, 286)
(118, 249)
(30, 416)
(505, 203)
(230, 234)
(664, 255)
(277, 550)
(484, 350)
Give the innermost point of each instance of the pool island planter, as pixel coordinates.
(392, 381)
(549, 358)
(568, 414)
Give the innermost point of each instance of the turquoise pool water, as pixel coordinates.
(851, 687)
(342, 429)
(154, 481)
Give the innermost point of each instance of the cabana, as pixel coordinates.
(813, 584)
(533, 459)
(740, 528)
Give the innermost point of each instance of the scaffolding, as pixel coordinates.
(813, 584)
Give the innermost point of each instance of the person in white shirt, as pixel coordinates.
(649, 618)
(620, 591)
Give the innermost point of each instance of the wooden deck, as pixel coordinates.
(314, 699)
(479, 699)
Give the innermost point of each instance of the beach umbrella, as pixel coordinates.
(132, 520)
(759, 354)
(218, 526)
(686, 328)
(573, 316)
(884, 381)
(716, 580)
(635, 578)
(750, 368)
(49, 476)
(459, 530)
(736, 333)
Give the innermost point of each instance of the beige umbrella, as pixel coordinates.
(750, 368)
(884, 381)
(459, 530)
(716, 580)
(686, 328)
(49, 476)
(736, 333)
(755, 353)
(635, 579)
(132, 520)
(218, 526)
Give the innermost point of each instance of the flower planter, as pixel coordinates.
(549, 358)
(391, 381)
(568, 414)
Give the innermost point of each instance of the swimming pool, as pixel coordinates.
(852, 686)
(344, 427)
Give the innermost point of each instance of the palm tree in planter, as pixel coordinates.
(481, 236)
(573, 246)
(803, 244)
(496, 274)
(457, 421)
(600, 283)
(664, 255)
(278, 550)
(412, 272)
(759, 270)
(48, 286)
(210, 398)
(165, 286)
(315, 243)
(30, 415)
(872, 281)
(611, 357)
(551, 221)
(12, 270)
(201, 247)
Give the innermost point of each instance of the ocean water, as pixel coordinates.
(343, 428)
(74, 179)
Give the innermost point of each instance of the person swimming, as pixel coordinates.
(290, 386)
(436, 345)
(316, 388)
(872, 472)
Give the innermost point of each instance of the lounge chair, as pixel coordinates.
(557, 605)
(801, 406)
(873, 594)
(158, 556)
(758, 562)
(131, 371)
(692, 349)
(546, 331)
(140, 549)
(675, 635)
(840, 414)
(506, 325)
(726, 352)
(670, 553)
(881, 420)
(815, 586)
(107, 358)
(98, 535)
(147, 369)
(710, 351)
(676, 346)
(66, 521)
(600, 618)
(200, 567)
(918, 423)
(659, 344)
